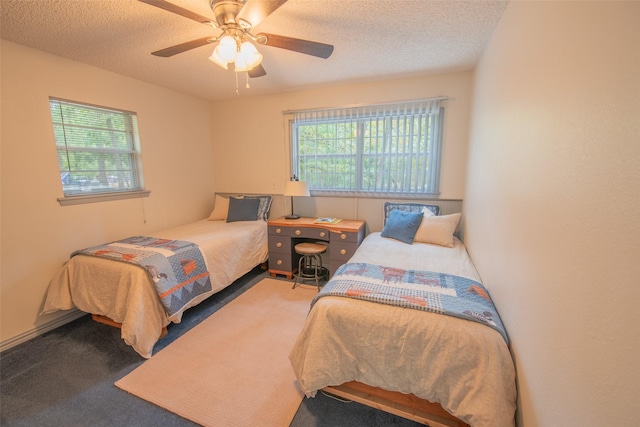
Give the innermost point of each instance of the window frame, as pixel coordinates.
(432, 174)
(131, 151)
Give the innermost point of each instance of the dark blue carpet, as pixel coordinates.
(65, 378)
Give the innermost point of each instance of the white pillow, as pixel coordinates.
(438, 230)
(220, 209)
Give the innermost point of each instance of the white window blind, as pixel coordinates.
(97, 148)
(388, 148)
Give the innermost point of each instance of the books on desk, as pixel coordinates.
(327, 220)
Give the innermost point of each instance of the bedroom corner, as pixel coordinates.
(37, 233)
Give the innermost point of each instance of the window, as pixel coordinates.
(98, 149)
(390, 148)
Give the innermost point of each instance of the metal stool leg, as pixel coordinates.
(297, 275)
(321, 272)
(317, 269)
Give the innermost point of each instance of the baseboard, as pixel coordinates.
(72, 315)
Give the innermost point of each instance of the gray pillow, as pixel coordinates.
(402, 225)
(265, 205)
(244, 209)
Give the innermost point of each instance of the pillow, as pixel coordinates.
(220, 209)
(408, 207)
(438, 230)
(244, 209)
(265, 205)
(402, 225)
(427, 212)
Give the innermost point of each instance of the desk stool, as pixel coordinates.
(310, 263)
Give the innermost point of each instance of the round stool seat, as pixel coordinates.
(310, 263)
(308, 248)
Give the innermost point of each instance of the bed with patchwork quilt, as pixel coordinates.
(410, 328)
(143, 283)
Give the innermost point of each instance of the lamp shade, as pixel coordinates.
(248, 58)
(215, 57)
(296, 188)
(227, 48)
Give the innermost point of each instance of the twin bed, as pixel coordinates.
(231, 242)
(405, 356)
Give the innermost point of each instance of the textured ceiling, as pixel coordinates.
(373, 40)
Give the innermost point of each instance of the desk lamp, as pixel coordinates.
(295, 188)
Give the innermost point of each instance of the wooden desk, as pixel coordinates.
(343, 238)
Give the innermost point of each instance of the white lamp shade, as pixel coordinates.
(227, 49)
(248, 57)
(215, 58)
(296, 188)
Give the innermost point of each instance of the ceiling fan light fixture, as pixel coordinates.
(218, 60)
(248, 57)
(236, 18)
(227, 48)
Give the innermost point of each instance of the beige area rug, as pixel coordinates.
(233, 368)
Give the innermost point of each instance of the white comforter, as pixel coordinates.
(463, 365)
(124, 292)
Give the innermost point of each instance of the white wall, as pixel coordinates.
(249, 154)
(552, 202)
(37, 234)
(252, 149)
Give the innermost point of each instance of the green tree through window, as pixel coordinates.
(390, 148)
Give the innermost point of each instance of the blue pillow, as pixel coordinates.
(402, 225)
(243, 209)
(408, 207)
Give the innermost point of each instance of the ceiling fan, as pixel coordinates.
(236, 18)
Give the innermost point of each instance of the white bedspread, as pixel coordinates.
(124, 292)
(463, 365)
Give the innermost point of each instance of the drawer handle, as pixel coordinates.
(343, 251)
(343, 236)
(322, 234)
(298, 232)
(278, 230)
(279, 262)
(279, 245)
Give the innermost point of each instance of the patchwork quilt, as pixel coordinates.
(422, 290)
(176, 267)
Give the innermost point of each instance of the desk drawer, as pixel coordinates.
(280, 244)
(280, 262)
(344, 237)
(310, 233)
(279, 231)
(342, 251)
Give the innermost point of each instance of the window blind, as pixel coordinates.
(97, 148)
(387, 148)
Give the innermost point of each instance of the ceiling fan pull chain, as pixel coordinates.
(237, 91)
(247, 86)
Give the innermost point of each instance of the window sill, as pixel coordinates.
(376, 195)
(107, 197)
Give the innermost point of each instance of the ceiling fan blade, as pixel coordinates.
(183, 47)
(162, 4)
(307, 47)
(254, 11)
(258, 71)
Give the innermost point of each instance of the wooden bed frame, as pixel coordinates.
(107, 321)
(404, 405)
